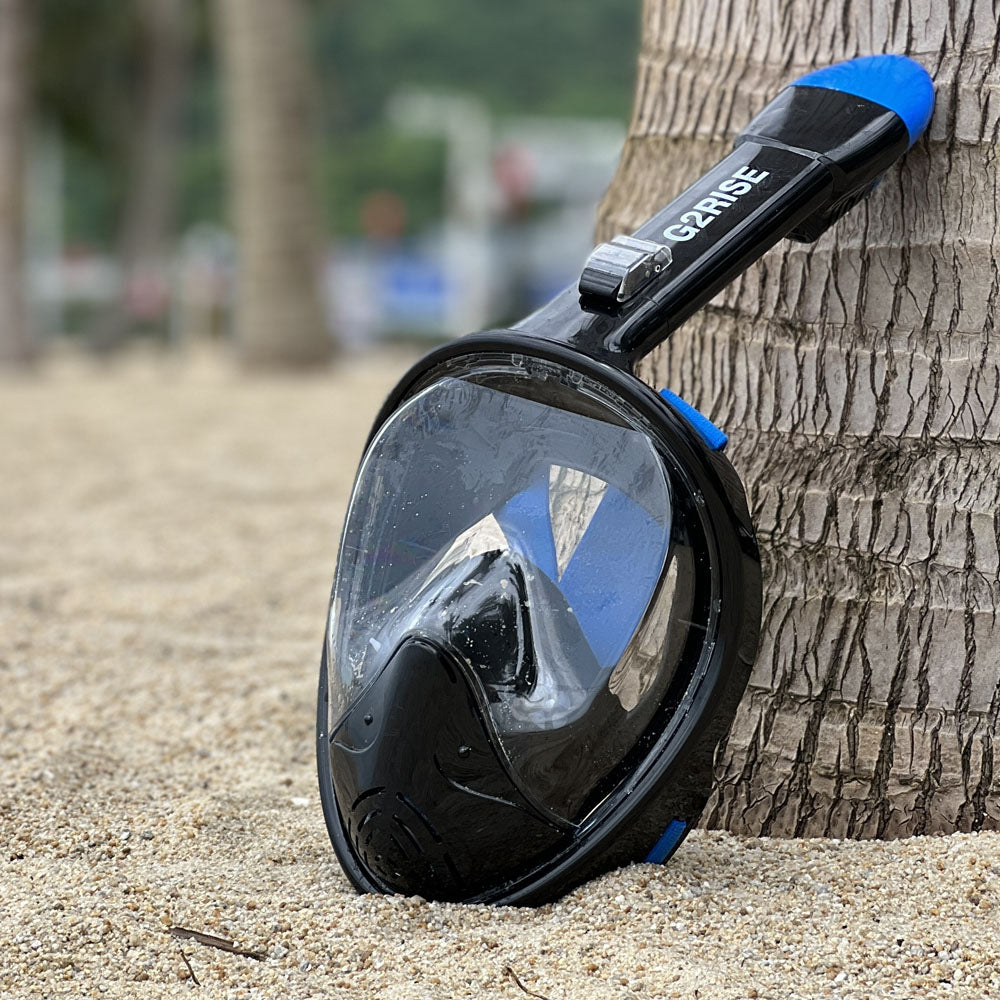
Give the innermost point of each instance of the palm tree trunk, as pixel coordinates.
(148, 211)
(859, 381)
(15, 345)
(279, 316)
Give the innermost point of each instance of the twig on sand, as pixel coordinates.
(531, 993)
(224, 944)
(194, 978)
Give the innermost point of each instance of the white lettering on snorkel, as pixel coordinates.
(728, 193)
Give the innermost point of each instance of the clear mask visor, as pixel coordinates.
(520, 520)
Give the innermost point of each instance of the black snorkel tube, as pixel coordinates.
(809, 157)
(423, 790)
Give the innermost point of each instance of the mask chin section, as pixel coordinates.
(425, 798)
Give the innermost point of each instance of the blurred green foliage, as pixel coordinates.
(524, 56)
(85, 70)
(538, 57)
(376, 158)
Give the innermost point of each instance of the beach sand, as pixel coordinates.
(169, 532)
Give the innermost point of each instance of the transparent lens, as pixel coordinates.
(519, 518)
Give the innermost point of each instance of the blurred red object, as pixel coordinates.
(514, 175)
(146, 295)
(383, 216)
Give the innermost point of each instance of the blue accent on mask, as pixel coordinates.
(713, 437)
(526, 522)
(611, 574)
(665, 845)
(896, 82)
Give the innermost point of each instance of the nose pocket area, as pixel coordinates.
(423, 792)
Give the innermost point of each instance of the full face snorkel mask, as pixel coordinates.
(548, 594)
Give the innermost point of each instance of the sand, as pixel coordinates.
(169, 532)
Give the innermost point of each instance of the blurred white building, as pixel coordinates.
(520, 196)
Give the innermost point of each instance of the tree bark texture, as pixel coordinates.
(859, 381)
(15, 344)
(279, 317)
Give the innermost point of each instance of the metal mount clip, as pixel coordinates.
(619, 269)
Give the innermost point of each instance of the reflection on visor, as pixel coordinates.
(531, 543)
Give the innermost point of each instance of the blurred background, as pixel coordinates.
(185, 184)
(298, 178)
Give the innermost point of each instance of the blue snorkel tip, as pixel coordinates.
(895, 82)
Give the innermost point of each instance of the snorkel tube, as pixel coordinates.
(808, 158)
(548, 595)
